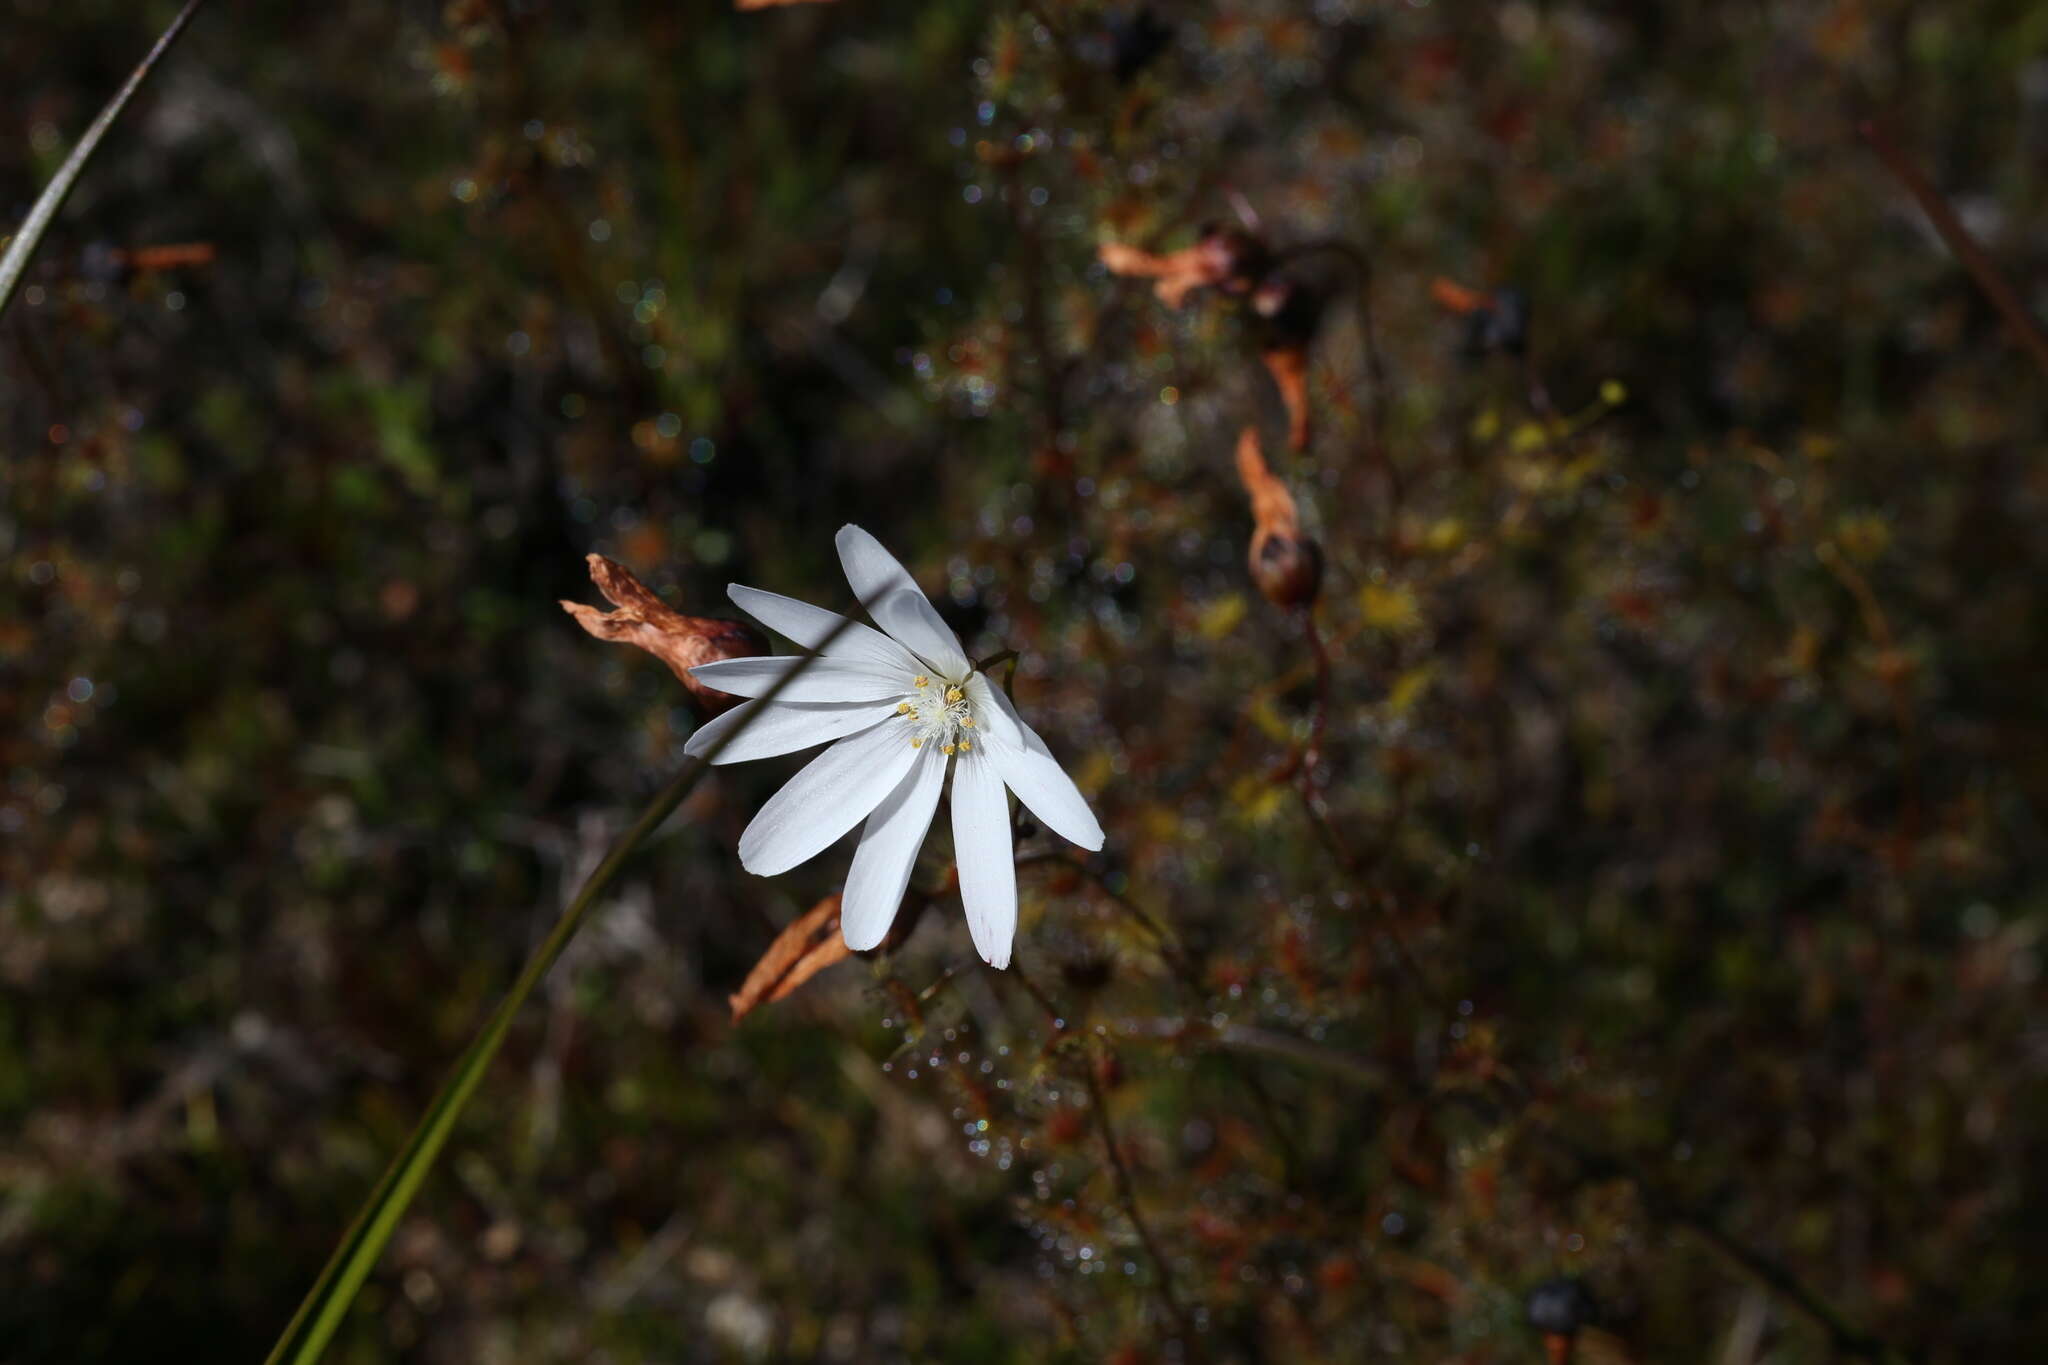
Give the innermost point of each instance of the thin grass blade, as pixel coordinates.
(327, 1303)
(14, 263)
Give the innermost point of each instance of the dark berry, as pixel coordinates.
(1560, 1306)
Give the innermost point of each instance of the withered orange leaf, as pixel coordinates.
(1223, 259)
(810, 944)
(1177, 273)
(1289, 367)
(1456, 298)
(166, 257)
(682, 642)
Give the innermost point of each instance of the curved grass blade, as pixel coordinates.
(24, 243)
(314, 1325)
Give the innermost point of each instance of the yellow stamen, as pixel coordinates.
(965, 747)
(953, 694)
(920, 681)
(945, 748)
(967, 721)
(902, 708)
(916, 743)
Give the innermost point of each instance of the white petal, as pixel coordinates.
(785, 727)
(832, 794)
(878, 580)
(827, 679)
(811, 626)
(981, 848)
(1029, 768)
(910, 618)
(992, 710)
(872, 571)
(888, 851)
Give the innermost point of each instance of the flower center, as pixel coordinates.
(938, 713)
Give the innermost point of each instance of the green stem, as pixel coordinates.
(327, 1303)
(332, 1294)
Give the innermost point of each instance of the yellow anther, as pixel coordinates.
(916, 743)
(953, 694)
(902, 708)
(967, 721)
(965, 746)
(945, 748)
(920, 681)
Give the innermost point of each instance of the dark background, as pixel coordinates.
(1670, 912)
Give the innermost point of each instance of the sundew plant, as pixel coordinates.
(1062, 681)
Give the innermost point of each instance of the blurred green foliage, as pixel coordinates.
(1664, 910)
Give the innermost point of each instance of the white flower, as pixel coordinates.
(901, 705)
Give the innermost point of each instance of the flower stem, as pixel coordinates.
(1008, 656)
(311, 1328)
(327, 1303)
(1126, 1188)
(1989, 278)
(1127, 1195)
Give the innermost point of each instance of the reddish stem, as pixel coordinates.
(1994, 284)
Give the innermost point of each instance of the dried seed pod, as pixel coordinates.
(682, 642)
(1288, 568)
(1286, 565)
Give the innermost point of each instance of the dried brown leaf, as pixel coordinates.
(808, 946)
(1223, 259)
(1176, 272)
(682, 642)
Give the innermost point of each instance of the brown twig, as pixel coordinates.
(1127, 1196)
(1987, 275)
(1845, 1338)
(1360, 873)
(1250, 1040)
(1319, 719)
